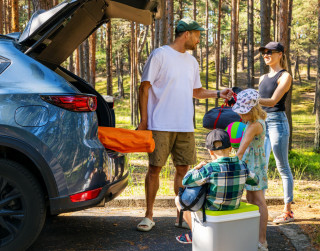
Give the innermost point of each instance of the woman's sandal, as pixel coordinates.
(285, 217)
(185, 238)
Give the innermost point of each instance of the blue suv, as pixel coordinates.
(51, 160)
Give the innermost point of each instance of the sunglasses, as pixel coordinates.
(268, 52)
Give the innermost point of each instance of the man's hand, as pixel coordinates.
(201, 164)
(143, 125)
(226, 93)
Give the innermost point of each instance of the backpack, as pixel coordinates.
(192, 199)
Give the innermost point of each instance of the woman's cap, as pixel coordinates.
(245, 101)
(275, 46)
(187, 24)
(218, 135)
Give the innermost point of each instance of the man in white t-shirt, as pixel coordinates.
(169, 81)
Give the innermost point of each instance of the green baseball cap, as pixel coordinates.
(187, 24)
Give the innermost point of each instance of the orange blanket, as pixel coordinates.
(126, 141)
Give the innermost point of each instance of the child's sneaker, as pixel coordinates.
(285, 217)
(263, 247)
(185, 238)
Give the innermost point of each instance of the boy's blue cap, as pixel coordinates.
(187, 24)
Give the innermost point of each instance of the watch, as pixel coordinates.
(218, 94)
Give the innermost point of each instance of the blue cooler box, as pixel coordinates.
(233, 230)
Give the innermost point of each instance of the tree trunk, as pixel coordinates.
(194, 52)
(201, 56)
(156, 33)
(109, 58)
(265, 31)
(77, 61)
(1, 16)
(284, 39)
(152, 35)
(234, 42)
(120, 73)
(170, 21)
(86, 53)
(207, 50)
(163, 27)
(141, 46)
(296, 68)
(309, 63)
(71, 66)
(9, 16)
(274, 18)
(81, 61)
(218, 49)
(132, 87)
(15, 15)
(180, 11)
(136, 63)
(242, 54)
(250, 71)
(317, 94)
(93, 44)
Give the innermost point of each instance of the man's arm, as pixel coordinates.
(143, 104)
(201, 93)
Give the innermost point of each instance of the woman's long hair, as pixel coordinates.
(283, 62)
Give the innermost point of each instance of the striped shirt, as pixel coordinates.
(227, 177)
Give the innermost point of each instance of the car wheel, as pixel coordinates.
(22, 207)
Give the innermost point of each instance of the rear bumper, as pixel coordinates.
(63, 204)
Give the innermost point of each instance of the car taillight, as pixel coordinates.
(88, 195)
(76, 103)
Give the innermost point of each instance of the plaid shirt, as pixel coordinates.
(227, 177)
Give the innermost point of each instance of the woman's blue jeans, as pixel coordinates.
(277, 140)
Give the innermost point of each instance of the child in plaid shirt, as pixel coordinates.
(226, 175)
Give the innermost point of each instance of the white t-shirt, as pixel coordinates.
(173, 76)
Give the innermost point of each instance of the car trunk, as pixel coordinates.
(51, 36)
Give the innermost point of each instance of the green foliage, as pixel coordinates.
(304, 163)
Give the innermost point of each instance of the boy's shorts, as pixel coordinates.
(181, 145)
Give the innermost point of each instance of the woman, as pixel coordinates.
(273, 89)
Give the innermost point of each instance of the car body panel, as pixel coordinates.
(26, 75)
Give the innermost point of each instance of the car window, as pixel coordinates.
(4, 63)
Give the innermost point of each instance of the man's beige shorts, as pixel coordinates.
(181, 145)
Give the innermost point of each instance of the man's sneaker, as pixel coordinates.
(185, 238)
(285, 217)
(263, 247)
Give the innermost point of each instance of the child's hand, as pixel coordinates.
(201, 164)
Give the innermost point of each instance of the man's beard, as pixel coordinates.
(191, 47)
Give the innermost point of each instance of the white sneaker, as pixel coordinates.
(263, 247)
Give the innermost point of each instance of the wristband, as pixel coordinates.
(218, 94)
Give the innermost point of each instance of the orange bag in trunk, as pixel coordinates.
(126, 141)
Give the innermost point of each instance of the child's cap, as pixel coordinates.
(218, 135)
(245, 101)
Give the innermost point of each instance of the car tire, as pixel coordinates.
(22, 207)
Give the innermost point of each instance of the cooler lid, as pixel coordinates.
(244, 211)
